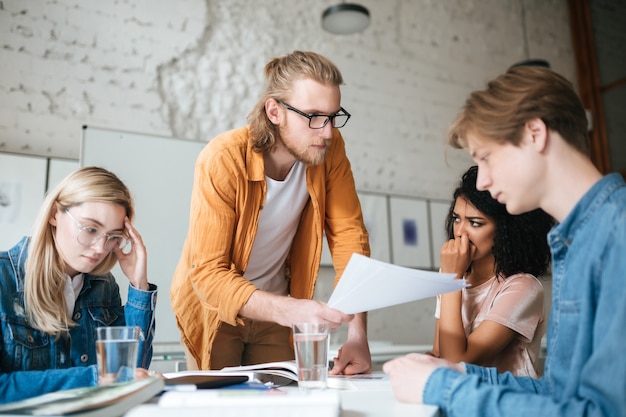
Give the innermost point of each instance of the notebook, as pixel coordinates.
(193, 382)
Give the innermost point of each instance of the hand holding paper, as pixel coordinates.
(368, 284)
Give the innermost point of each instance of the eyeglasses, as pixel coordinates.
(318, 121)
(89, 236)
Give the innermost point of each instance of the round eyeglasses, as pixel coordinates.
(89, 236)
(318, 121)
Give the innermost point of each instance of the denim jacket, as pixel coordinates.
(32, 362)
(585, 370)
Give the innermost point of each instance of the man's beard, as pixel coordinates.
(316, 158)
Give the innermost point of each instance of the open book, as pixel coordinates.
(271, 373)
(286, 373)
(98, 401)
(277, 373)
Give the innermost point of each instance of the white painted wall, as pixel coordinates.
(193, 68)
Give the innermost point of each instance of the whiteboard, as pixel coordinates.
(159, 173)
(24, 180)
(22, 189)
(58, 169)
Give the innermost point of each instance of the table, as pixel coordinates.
(381, 404)
(170, 357)
(359, 403)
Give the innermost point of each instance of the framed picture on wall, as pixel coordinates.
(376, 219)
(438, 213)
(410, 237)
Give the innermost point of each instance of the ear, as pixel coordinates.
(53, 215)
(272, 111)
(538, 133)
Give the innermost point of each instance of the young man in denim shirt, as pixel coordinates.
(528, 134)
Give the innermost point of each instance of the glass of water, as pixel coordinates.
(311, 345)
(117, 349)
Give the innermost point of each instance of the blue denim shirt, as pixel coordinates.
(585, 369)
(32, 362)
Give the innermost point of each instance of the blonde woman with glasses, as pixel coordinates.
(56, 287)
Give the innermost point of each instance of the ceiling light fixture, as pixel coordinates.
(532, 63)
(345, 18)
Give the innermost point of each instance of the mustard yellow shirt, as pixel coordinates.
(229, 189)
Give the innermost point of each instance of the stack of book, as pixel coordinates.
(100, 401)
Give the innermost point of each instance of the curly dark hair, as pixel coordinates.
(520, 243)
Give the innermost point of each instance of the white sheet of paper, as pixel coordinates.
(368, 284)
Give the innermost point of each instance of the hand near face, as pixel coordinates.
(134, 261)
(456, 255)
(408, 375)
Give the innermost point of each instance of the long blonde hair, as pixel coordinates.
(280, 74)
(45, 278)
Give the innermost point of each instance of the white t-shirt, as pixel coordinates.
(71, 291)
(278, 223)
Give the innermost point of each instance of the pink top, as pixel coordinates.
(517, 303)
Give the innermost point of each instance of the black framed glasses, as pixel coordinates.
(89, 236)
(318, 121)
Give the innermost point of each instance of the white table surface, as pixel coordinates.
(381, 404)
(359, 403)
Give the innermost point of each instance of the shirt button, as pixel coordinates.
(30, 339)
(84, 357)
(77, 316)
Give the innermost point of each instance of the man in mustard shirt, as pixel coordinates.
(262, 197)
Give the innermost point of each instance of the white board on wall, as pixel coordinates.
(22, 188)
(59, 169)
(159, 173)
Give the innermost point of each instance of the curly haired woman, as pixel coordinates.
(498, 320)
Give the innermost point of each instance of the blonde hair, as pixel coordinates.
(280, 74)
(45, 278)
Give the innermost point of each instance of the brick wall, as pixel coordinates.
(193, 68)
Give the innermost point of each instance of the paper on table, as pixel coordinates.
(368, 284)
